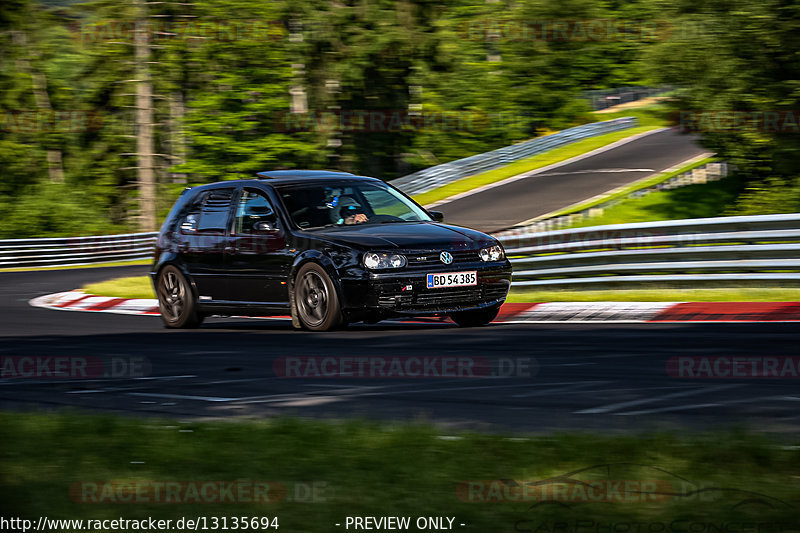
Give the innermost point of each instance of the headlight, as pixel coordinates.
(375, 261)
(492, 253)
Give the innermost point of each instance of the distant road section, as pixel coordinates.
(539, 193)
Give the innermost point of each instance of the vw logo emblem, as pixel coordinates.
(446, 258)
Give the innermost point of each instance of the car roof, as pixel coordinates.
(287, 177)
(278, 174)
(281, 177)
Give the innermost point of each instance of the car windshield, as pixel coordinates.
(348, 203)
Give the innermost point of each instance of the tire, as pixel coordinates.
(316, 301)
(478, 317)
(176, 301)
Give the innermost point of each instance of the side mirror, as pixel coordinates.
(438, 216)
(265, 227)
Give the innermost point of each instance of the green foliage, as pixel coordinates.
(55, 210)
(238, 89)
(477, 75)
(408, 469)
(774, 194)
(740, 56)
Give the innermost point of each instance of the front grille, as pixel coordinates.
(432, 258)
(449, 296)
(493, 292)
(393, 301)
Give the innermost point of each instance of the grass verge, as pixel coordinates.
(525, 165)
(711, 199)
(126, 287)
(732, 294)
(93, 265)
(139, 287)
(357, 468)
(628, 189)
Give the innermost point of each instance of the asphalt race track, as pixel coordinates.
(504, 206)
(609, 377)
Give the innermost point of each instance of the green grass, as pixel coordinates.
(93, 265)
(711, 199)
(656, 115)
(126, 287)
(364, 468)
(628, 189)
(728, 294)
(524, 165)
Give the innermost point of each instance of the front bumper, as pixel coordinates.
(405, 292)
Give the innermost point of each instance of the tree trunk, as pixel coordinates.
(144, 124)
(177, 137)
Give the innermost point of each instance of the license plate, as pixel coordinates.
(452, 279)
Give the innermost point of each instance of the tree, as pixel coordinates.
(739, 56)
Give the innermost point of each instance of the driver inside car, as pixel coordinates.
(350, 212)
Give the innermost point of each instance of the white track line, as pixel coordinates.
(722, 403)
(561, 388)
(622, 405)
(668, 409)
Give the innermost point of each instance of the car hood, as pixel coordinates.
(407, 236)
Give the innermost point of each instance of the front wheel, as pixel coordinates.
(477, 317)
(176, 300)
(315, 299)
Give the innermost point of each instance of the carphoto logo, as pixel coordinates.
(49, 121)
(382, 367)
(733, 367)
(775, 121)
(73, 367)
(562, 30)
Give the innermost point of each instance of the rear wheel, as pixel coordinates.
(175, 300)
(477, 317)
(315, 298)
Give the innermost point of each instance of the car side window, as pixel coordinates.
(217, 206)
(192, 214)
(254, 207)
(209, 213)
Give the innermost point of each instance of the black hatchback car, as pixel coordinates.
(326, 248)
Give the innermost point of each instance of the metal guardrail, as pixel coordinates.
(439, 175)
(69, 251)
(736, 249)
